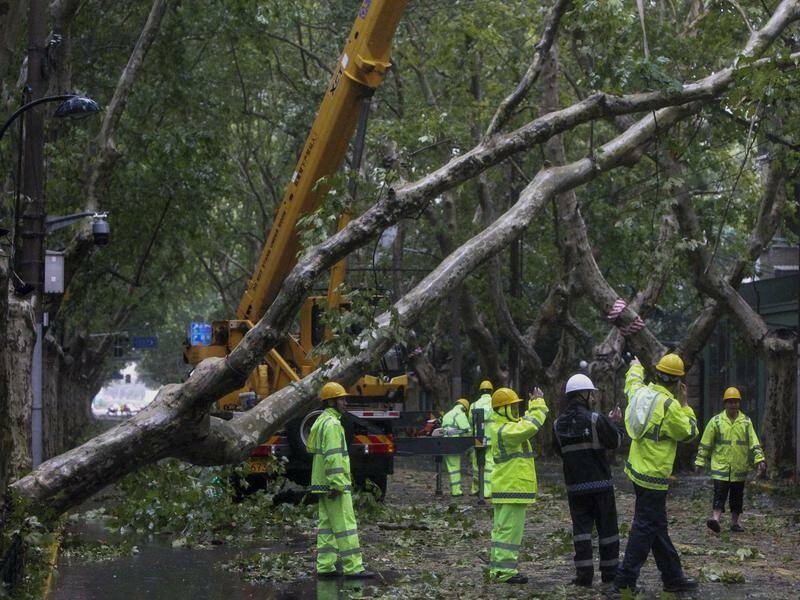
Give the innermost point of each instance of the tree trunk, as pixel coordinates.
(20, 338)
(433, 380)
(776, 430)
(605, 372)
(67, 399)
(5, 420)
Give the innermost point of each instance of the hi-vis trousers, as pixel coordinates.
(337, 535)
(453, 464)
(509, 525)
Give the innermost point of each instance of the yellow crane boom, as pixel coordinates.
(360, 69)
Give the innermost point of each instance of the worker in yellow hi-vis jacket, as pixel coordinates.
(456, 424)
(484, 405)
(731, 443)
(337, 532)
(514, 478)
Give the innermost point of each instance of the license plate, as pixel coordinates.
(259, 465)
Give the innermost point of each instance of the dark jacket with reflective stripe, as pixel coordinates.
(581, 439)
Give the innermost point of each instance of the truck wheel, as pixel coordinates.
(242, 487)
(297, 431)
(381, 481)
(378, 479)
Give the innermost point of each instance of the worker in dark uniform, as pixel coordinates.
(581, 438)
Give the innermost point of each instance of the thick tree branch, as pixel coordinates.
(707, 276)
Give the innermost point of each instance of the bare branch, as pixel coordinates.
(322, 64)
(107, 153)
(743, 13)
(100, 168)
(507, 106)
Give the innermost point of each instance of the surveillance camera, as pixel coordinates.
(100, 231)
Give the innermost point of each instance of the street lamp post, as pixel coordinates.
(32, 251)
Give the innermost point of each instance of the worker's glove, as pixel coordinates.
(334, 493)
(536, 393)
(761, 468)
(682, 393)
(438, 432)
(615, 414)
(697, 469)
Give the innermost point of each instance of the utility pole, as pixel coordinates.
(31, 228)
(515, 258)
(31, 233)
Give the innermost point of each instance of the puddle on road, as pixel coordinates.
(160, 572)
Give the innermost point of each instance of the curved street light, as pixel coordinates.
(72, 105)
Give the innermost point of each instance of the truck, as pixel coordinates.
(376, 400)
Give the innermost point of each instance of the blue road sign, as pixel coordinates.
(199, 334)
(144, 342)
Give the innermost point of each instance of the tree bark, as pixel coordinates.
(777, 428)
(18, 356)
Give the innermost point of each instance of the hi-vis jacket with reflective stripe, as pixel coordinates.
(455, 422)
(331, 467)
(733, 447)
(656, 422)
(514, 475)
(483, 403)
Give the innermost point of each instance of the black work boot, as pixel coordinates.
(582, 582)
(681, 585)
(713, 525)
(360, 575)
(517, 579)
(328, 574)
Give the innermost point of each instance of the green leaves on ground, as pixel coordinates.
(280, 566)
(97, 551)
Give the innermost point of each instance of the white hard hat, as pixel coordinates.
(578, 383)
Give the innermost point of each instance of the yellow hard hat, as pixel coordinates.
(331, 391)
(731, 393)
(463, 402)
(504, 397)
(486, 385)
(671, 364)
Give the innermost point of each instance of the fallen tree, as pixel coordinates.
(178, 423)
